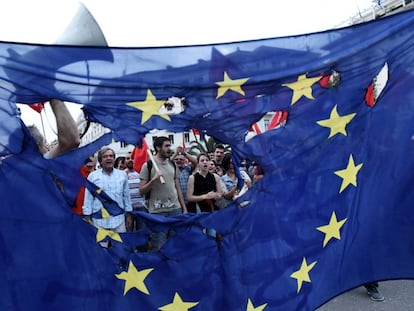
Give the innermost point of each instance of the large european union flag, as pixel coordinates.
(333, 211)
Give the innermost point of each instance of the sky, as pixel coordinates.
(164, 23)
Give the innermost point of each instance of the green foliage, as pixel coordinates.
(204, 146)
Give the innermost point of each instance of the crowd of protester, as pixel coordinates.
(167, 185)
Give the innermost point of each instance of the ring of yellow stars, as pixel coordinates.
(250, 306)
(230, 85)
(302, 87)
(178, 305)
(134, 278)
(332, 230)
(149, 107)
(349, 174)
(103, 233)
(336, 123)
(302, 275)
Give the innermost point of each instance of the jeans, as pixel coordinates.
(139, 222)
(158, 239)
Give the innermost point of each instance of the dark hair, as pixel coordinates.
(119, 160)
(219, 146)
(202, 154)
(159, 141)
(226, 161)
(102, 151)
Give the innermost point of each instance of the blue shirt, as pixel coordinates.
(116, 186)
(185, 173)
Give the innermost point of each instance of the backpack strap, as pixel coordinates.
(149, 167)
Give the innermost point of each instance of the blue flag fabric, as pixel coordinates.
(333, 211)
(110, 205)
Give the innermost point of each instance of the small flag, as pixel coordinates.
(38, 107)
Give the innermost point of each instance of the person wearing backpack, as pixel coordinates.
(165, 199)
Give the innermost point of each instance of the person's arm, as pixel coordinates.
(126, 195)
(146, 182)
(190, 189)
(246, 178)
(127, 204)
(192, 159)
(87, 205)
(180, 195)
(67, 131)
(218, 187)
(229, 194)
(197, 198)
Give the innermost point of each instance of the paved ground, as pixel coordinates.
(399, 296)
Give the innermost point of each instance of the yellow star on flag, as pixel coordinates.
(134, 278)
(229, 84)
(149, 107)
(103, 233)
(302, 275)
(302, 87)
(178, 305)
(250, 306)
(349, 175)
(104, 213)
(331, 230)
(336, 122)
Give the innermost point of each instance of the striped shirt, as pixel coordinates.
(137, 200)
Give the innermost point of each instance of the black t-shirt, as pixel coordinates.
(203, 185)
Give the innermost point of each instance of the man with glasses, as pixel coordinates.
(186, 163)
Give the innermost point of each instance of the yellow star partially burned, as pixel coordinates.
(337, 123)
(332, 230)
(102, 233)
(251, 307)
(134, 278)
(230, 85)
(302, 275)
(149, 107)
(178, 305)
(349, 174)
(302, 87)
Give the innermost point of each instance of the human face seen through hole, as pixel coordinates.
(212, 167)
(204, 163)
(165, 150)
(108, 160)
(179, 160)
(219, 155)
(129, 162)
